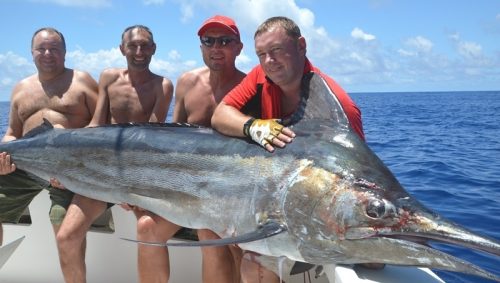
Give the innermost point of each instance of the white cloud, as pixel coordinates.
(78, 3)
(244, 62)
(470, 50)
(357, 33)
(95, 62)
(174, 55)
(406, 53)
(171, 69)
(186, 12)
(362, 59)
(420, 44)
(153, 2)
(355, 60)
(13, 68)
(454, 36)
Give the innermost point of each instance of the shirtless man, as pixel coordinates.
(197, 94)
(64, 97)
(134, 94)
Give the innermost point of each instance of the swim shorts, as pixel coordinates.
(19, 188)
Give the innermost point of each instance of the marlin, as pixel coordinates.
(325, 198)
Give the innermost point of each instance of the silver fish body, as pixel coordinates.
(334, 199)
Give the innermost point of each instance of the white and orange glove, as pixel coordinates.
(263, 132)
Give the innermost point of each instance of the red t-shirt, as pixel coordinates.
(271, 96)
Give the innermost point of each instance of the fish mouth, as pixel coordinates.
(410, 246)
(408, 253)
(434, 228)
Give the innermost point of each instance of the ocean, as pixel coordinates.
(444, 148)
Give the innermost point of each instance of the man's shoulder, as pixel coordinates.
(28, 83)
(161, 79)
(29, 80)
(80, 74)
(110, 75)
(109, 72)
(193, 76)
(197, 73)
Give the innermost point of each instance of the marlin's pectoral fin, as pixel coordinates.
(265, 231)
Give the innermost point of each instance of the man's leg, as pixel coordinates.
(1, 234)
(72, 235)
(218, 264)
(153, 262)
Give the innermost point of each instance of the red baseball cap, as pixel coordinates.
(219, 21)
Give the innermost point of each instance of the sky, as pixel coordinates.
(366, 46)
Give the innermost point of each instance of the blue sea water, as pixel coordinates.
(444, 148)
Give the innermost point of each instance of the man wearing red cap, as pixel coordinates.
(197, 94)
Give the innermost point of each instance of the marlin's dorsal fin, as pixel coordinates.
(45, 126)
(265, 231)
(318, 102)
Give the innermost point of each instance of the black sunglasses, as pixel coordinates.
(209, 41)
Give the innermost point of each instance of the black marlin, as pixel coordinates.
(325, 198)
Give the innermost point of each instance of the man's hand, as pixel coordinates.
(56, 184)
(129, 207)
(268, 133)
(6, 167)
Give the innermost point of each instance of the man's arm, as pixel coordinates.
(15, 127)
(162, 103)
(184, 83)
(229, 120)
(101, 114)
(268, 133)
(91, 91)
(13, 132)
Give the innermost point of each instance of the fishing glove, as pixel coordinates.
(262, 131)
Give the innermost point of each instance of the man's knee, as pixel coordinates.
(204, 234)
(146, 225)
(153, 227)
(68, 238)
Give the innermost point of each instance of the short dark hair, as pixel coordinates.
(290, 27)
(130, 28)
(49, 30)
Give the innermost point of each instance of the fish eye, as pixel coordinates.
(376, 209)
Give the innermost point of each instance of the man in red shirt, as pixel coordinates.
(265, 101)
(275, 86)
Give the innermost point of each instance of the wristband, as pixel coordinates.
(246, 127)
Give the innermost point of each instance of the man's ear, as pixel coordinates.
(122, 49)
(302, 45)
(240, 47)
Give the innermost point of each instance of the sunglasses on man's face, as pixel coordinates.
(210, 41)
